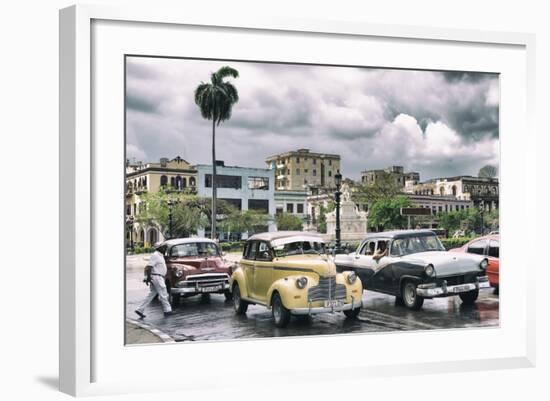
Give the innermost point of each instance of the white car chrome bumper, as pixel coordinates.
(432, 290)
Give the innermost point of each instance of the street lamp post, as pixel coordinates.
(481, 211)
(170, 222)
(338, 182)
(130, 223)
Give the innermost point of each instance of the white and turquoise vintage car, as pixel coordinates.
(413, 265)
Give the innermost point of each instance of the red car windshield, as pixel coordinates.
(194, 249)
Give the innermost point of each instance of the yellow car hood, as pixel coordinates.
(321, 264)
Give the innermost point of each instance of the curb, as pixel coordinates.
(163, 336)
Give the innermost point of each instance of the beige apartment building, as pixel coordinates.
(304, 170)
(172, 175)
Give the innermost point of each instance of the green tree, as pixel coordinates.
(215, 100)
(244, 221)
(322, 220)
(386, 213)
(288, 222)
(491, 220)
(488, 171)
(187, 218)
(385, 187)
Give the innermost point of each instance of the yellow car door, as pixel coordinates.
(247, 264)
(263, 272)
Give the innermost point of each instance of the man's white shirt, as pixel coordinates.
(158, 264)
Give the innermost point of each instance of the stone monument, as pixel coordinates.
(353, 223)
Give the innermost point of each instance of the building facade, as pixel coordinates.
(304, 170)
(293, 202)
(396, 172)
(245, 188)
(171, 175)
(483, 192)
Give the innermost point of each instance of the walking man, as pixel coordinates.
(155, 273)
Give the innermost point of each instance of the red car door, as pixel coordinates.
(493, 257)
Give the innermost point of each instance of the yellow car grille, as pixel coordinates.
(327, 289)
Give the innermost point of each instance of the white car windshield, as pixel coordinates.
(299, 248)
(416, 244)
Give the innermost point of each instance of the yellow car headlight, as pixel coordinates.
(352, 277)
(301, 282)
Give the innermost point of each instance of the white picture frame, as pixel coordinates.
(88, 358)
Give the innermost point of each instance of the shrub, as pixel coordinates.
(450, 243)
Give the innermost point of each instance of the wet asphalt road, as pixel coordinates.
(210, 317)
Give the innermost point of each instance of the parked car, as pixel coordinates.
(291, 273)
(413, 265)
(488, 246)
(195, 266)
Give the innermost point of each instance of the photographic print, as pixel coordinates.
(270, 199)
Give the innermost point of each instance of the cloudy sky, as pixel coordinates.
(436, 123)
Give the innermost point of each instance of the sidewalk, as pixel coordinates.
(140, 333)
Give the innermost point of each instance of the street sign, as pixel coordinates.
(416, 211)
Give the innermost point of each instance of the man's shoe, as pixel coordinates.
(168, 313)
(140, 314)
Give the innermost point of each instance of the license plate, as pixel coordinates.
(333, 304)
(462, 288)
(210, 289)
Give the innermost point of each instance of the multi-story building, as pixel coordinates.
(294, 202)
(396, 172)
(481, 191)
(304, 170)
(171, 175)
(245, 188)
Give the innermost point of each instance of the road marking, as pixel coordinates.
(160, 334)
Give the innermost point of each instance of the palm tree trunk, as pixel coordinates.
(214, 187)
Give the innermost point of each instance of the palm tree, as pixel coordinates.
(216, 100)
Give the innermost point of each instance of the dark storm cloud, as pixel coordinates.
(138, 103)
(436, 123)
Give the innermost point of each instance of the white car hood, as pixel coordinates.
(446, 263)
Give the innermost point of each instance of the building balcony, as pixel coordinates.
(280, 166)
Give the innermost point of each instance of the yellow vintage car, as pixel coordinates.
(291, 273)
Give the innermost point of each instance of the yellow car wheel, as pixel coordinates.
(239, 304)
(352, 313)
(281, 315)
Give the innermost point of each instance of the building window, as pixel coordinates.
(457, 207)
(172, 181)
(279, 210)
(290, 207)
(258, 183)
(462, 207)
(128, 210)
(454, 190)
(305, 171)
(329, 162)
(314, 161)
(314, 173)
(300, 208)
(192, 181)
(440, 209)
(260, 205)
(236, 203)
(330, 173)
(178, 182)
(183, 182)
(163, 180)
(297, 160)
(223, 181)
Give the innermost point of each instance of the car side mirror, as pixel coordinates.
(224, 253)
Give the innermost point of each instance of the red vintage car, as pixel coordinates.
(488, 246)
(195, 266)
